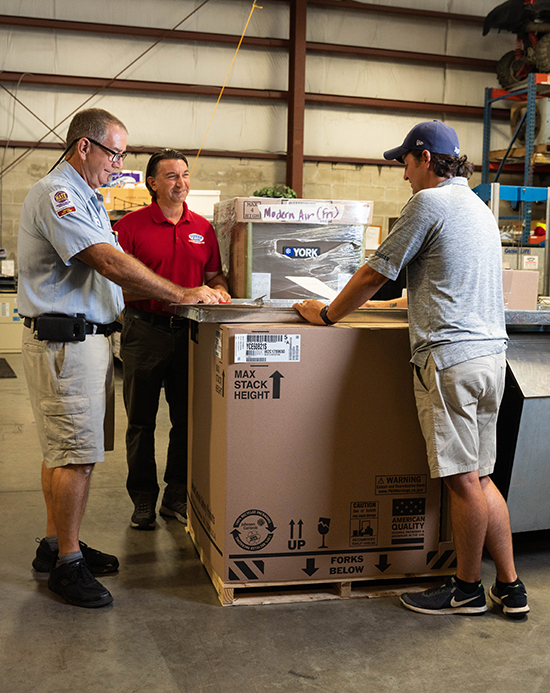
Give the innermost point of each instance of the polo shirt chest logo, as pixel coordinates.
(62, 203)
(196, 238)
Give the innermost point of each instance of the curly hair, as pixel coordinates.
(446, 166)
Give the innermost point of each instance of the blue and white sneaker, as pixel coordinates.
(446, 599)
(513, 599)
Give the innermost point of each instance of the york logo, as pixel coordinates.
(196, 238)
(290, 251)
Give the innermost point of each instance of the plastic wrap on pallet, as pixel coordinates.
(264, 242)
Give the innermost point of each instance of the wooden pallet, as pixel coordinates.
(252, 593)
(541, 154)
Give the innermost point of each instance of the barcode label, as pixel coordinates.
(264, 348)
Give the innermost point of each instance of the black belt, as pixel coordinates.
(173, 322)
(90, 328)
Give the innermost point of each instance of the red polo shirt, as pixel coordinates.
(180, 252)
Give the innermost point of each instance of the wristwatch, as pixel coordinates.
(324, 316)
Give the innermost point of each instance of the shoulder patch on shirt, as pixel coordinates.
(196, 238)
(62, 203)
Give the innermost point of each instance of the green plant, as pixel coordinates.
(277, 191)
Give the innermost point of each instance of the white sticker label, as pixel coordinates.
(530, 262)
(4, 310)
(263, 348)
(261, 285)
(218, 344)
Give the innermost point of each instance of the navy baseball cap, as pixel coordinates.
(433, 135)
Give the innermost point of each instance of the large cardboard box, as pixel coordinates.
(306, 458)
(277, 247)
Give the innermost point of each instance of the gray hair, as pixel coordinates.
(94, 123)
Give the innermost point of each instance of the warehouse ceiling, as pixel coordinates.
(356, 104)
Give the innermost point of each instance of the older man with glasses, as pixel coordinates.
(71, 270)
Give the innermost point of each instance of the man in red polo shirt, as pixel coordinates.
(181, 246)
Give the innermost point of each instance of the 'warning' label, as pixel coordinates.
(400, 485)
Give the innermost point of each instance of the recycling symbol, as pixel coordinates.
(253, 530)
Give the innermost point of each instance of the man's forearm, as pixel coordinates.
(218, 282)
(138, 280)
(362, 286)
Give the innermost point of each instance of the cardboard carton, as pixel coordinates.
(271, 247)
(520, 289)
(307, 462)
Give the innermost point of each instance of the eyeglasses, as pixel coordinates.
(116, 156)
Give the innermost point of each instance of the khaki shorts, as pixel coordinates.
(458, 409)
(69, 383)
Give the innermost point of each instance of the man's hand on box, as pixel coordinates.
(310, 310)
(226, 296)
(203, 294)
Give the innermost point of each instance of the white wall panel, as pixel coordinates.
(375, 78)
(467, 88)
(217, 16)
(157, 120)
(369, 133)
(90, 55)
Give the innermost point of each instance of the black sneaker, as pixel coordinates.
(144, 516)
(75, 583)
(446, 599)
(513, 599)
(99, 563)
(174, 508)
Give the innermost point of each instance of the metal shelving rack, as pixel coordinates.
(537, 86)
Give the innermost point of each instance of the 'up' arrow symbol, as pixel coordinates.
(277, 384)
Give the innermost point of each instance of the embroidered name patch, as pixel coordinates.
(196, 238)
(62, 203)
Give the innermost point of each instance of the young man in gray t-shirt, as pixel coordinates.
(449, 242)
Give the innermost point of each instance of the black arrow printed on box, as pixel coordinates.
(310, 568)
(382, 564)
(276, 384)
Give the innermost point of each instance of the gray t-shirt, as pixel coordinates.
(449, 241)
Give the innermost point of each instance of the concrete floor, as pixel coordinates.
(167, 633)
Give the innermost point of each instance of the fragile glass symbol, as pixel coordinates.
(323, 528)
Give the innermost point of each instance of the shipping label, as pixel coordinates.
(275, 348)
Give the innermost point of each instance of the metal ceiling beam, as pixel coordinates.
(397, 11)
(296, 96)
(250, 41)
(224, 154)
(473, 112)
(139, 31)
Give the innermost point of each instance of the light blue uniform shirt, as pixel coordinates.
(449, 241)
(62, 216)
